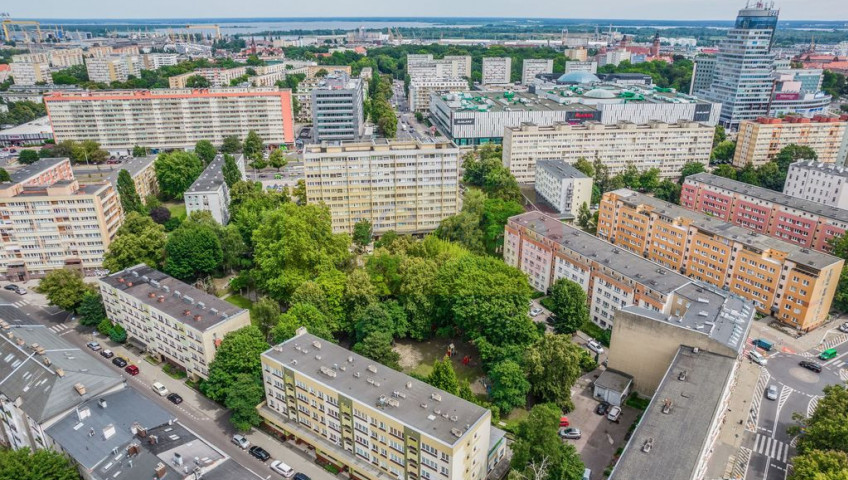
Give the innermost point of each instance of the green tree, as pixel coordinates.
(552, 365)
(723, 152)
(726, 171)
(691, 168)
(495, 214)
(301, 315)
(820, 465)
(191, 251)
(138, 240)
(27, 157)
(230, 170)
(238, 353)
(205, 151)
(88, 151)
(176, 171)
(719, 136)
(538, 438)
(264, 314)
(793, 153)
(649, 179)
(771, 176)
(585, 166)
(299, 192)
(509, 385)
(668, 191)
(277, 159)
(584, 217)
(91, 310)
(443, 376)
(231, 144)
(243, 396)
(748, 174)
(197, 81)
(4, 175)
(252, 146)
(827, 427)
(118, 334)
(42, 464)
(378, 347)
(130, 201)
(64, 288)
(139, 151)
(839, 247)
(569, 306)
(362, 233)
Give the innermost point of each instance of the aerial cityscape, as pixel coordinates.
(393, 241)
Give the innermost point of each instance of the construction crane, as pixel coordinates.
(206, 27)
(7, 22)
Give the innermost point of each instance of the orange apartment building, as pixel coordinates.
(759, 141)
(792, 283)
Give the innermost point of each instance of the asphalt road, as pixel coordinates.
(799, 390)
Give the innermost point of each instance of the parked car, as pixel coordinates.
(811, 366)
(570, 433)
(15, 288)
(587, 474)
(828, 354)
(614, 413)
(131, 369)
(93, 345)
(282, 468)
(563, 421)
(771, 393)
(175, 398)
(602, 408)
(259, 453)
(241, 441)
(160, 389)
(535, 311)
(844, 327)
(595, 346)
(758, 358)
(301, 476)
(119, 362)
(107, 353)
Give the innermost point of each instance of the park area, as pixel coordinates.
(417, 358)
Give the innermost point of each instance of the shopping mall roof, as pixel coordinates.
(506, 102)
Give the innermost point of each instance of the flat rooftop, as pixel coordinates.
(676, 439)
(39, 126)
(825, 168)
(611, 93)
(796, 253)
(560, 169)
(507, 101)
(211, 179)
(369, 383)
(779, 198)
(148, 286)
(634, 267)
(34, 169)
(133, 166)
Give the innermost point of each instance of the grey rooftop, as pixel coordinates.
(370, 383)
(34, 169)
(133, 166)
(560, 169)
(211, 179)
(825, 168)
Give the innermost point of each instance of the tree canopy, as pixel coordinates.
(42, 464)
(130, 201)
(176, 171)
(239, 353)
(537, 440)
(138, 240)
(569, 306)
(64, 288)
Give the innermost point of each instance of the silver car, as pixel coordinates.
(570, 433)
(771, 393)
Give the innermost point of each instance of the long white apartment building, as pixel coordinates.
(534, 66)
(173, 320)
(170, 118)
(114, 68)
(50, 221)
(581, 66)
(217, 77)
(425, 67)
(30, 73)
(421, 90)
(824, 183)
(57, 58)
(497, 70)
(563, 186)
(373, 421)
(154, 61)
(405, 186)
(210, 193)
(654, 145)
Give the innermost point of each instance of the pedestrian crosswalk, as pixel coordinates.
(833, 341)
(20, 303)
(771, 448)
(60, 328)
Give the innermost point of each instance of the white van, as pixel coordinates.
(282, 468)
(758, 358)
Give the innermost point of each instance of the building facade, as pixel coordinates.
(337, 109)
(703, 73)
(168, 318)
(759, 141)
(534, 66)
(423, 67)
(791, 283)
(114, 68)
(171, 118)
(405, 186)
(497, 70)
(420, 91)
(217, 77)
(155, 61)
(823, 183)
(795, 220)
(31, 73)
(376, 422)
(209, 193)
(666, 147)
(563, 186)
(581, 66)
(50, 221)
(143, 174)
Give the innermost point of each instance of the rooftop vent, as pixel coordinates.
(393, 402)
(60, 372)
(408, 385)
(435, 396)
(134, 273)
(201, 305)
(80, 388)
(213, 311)
(145, 278)
(666, 408)
(648, 445)
(350, 359)
(188, 300)
(178, 294)
(102, 403)
(198, 318)
(317, 345)
(186, 312)
(328, 372)
(46, 361)
(372, 369)
(682, 376)
(166, 288)
(151, 295)
(456, 432)
(161, 299)
(356, 374)
(424, 405)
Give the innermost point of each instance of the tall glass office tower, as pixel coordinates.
(742, 79)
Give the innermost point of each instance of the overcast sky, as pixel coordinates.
(625, 9)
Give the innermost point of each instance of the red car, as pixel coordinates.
(563, 421)
(132, 370)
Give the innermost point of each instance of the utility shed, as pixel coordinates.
(613, 387)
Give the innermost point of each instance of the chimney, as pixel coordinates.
(151, 295)
(160, 471)
(186, 312)
(80, 388)
(161, 299)
(198, 318)
(60, 372)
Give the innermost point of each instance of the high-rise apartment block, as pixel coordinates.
(656, 145)
(534, 66)
(425, 67)
(420, 91)
(497, 70)
(793, 284)
(703, 73)
(114, 68)
(564, 187)
(171, 319)
(314, 70)
(66, 57)
(171, 118)
(371, 420)
(30, 73)
(795, 220)
(584, 66)
(337, 108)
(154, 61)
(210, 193)
(143, 174)
(578, 54)
(217, 77)
(50, 221)
(407, 187)
(759, 141)
(823, 183)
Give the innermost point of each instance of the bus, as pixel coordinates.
(827, 354)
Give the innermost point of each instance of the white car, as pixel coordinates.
(243, 443)
(614, 413)
(758, 358)
(771, 393)
(160, 389)
(535, 311)
(282, 468)
(595, 346)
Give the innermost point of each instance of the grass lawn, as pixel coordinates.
(178, 210)
(512, 420)
(418, 358)
(240, 301)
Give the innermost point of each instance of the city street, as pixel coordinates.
(196, 412)
(799, 390)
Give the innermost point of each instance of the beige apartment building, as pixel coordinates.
(312, 70)
(170, 118)
(759, 141)
(217, 77)
(66, 57)
(30, 73)
(405, 186)
(375, 422)
(171, 319)
(666, 146)
(143, 174)
(420, 91)
(792, 283)
(50, 221)
(114, 68)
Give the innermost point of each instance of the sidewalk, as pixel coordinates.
(790, 344)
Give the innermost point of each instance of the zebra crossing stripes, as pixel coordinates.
(833, 342)
(771, 448)
(20, 303)
(762, 381)
(60, 328)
